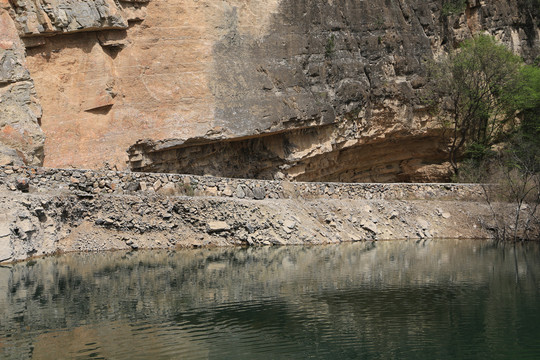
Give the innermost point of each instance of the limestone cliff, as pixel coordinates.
(311, 90)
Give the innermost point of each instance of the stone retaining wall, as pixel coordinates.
(90, 182)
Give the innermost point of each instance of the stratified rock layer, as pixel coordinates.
(309, 90)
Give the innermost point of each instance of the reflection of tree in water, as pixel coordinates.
(370, 298)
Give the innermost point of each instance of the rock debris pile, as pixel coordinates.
(44, 211)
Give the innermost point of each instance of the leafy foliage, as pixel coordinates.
(513, 165)
(488, 100)
(330, 46)
(479, 90)
(529, 101)
(451, 7)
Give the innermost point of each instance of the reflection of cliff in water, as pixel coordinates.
(359, 288)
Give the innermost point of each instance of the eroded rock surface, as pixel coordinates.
(319, 153)
(338, 87)
(309, 90)
(21, 138)
(45, 17)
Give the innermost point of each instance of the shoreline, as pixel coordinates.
(71, 212)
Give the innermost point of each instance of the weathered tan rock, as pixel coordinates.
(309, 90)
(21, 139)
(218, 226)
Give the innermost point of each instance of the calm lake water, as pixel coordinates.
(444, 299)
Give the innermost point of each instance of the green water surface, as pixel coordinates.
(443, 299)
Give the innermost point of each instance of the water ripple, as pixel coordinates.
(440, 300)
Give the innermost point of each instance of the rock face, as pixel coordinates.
(308, 90)
(39, 17)
(21, 138)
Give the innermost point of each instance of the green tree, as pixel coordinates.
(529, 100)
(515, 168)
(476, 95)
